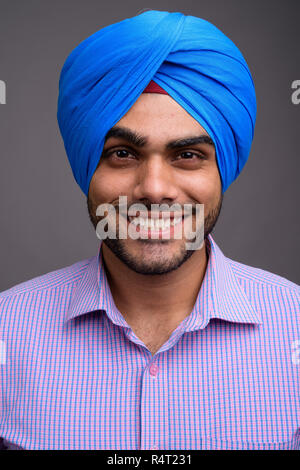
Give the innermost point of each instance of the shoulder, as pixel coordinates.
(262, 277)
(43, 285)
(269, 292)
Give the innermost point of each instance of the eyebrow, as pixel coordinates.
(140, 141)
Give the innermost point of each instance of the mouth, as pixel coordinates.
(156, 225)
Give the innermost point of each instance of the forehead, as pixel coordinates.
(158, 114)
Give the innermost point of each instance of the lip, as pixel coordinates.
(157, 215)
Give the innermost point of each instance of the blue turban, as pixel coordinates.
(190, 58)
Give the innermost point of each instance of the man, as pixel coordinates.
(153, 344)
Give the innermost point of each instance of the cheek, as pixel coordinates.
(205, 187)
(106, 186)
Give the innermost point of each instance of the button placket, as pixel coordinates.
(150, 411)
(153, 370)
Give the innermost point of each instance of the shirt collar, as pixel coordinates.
(92, 293)
(221, 294)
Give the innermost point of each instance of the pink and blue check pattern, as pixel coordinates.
(75, 376)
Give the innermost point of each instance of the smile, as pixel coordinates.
(155, 223)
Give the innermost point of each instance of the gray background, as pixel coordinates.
(44, 220)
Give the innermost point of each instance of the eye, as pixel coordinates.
(118, 154)
(188, 155)
(121, 153)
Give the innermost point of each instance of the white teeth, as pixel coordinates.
(176, 220)
(158, 224)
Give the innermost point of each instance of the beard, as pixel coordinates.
(159, 263)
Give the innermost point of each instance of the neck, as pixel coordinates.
(155, 298)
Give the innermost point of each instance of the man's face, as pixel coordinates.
(149, 171)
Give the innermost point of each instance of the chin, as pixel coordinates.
(150, 257)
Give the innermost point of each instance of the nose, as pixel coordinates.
(155, 181)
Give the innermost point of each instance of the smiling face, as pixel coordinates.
(147, 157)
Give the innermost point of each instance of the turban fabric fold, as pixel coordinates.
(190, 58)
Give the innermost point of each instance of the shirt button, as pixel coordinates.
(153, 369)
(154, 447)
